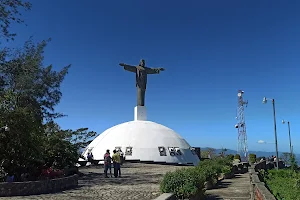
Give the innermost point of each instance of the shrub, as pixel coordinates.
(252, 158)
(184, 183)
(187, 182)
(224, 161)
(209, 172)
(283, 184)
(237, 156)
(214, 167)
(230, 157)
(293, 162)
(226, 169)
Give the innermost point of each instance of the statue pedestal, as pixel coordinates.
(140, 113)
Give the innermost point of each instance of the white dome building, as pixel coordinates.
(144, 141)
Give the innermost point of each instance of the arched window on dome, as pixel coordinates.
(162, 151)
(177, 150)
(128, 151)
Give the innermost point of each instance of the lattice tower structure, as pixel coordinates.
(242, 147)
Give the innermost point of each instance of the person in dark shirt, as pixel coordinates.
(107, 163)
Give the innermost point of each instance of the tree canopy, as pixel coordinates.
(29, 92)
(10, 11)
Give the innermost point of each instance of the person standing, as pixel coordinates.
(90, 158)
(121, 157)
(107, 163)
(117, 164)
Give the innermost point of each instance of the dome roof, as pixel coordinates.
(144, 141)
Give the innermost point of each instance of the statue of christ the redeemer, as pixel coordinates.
(141, 72)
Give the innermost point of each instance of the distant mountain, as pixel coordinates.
(257, 153)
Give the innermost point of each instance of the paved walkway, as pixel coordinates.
(139, 181)
(237, 188)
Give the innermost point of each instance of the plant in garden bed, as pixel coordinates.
(283, 184)
(252, 158)
(212, 169)
(237, 157)
(227, 171)
(184, 183)
(230, 157)
(210, 174)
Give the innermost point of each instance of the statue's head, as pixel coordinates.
(142, 63)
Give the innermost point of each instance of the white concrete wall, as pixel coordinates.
(144, 137)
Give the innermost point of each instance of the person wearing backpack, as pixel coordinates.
(107, 163)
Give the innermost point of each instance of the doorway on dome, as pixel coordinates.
(193, 151)
(162, 151)
(128, 151)
(172, 151)
(177, 150)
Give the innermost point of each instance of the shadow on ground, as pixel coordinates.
(92, 178)
(223, 184)
(211, 197)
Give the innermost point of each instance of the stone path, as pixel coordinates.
(237, 188)
(139, 181)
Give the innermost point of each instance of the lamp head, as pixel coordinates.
(264, 101)
(283, 121)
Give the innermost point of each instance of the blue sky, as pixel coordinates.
(210, 49)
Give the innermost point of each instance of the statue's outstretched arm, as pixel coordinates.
(128, 67)
(154, 70)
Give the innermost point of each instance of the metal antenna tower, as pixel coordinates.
(242, 147)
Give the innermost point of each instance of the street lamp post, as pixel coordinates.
(289, 129)
(275, 130)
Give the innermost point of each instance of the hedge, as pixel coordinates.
(237, 156)
(188, 182)
(252, 158)
(183, 182)
(283, 183)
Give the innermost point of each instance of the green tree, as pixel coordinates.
(286, 157)
(10, 13)
(61, 146)
(237, 156)
(252, 158)
(230, 157)
(204, 154)
(211, 152)
(28, 94)
(294, 165)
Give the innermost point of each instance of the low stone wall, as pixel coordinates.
(38, 187)
(266, 165)
(240, 168)
(166, 196)
(170, 196)
(259, 190)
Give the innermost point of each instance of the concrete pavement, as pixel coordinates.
(237, 188)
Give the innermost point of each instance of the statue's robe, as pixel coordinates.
(141, 80)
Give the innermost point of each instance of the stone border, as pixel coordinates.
(38, 187)
(95, 162)
(258, 188)
(166, 196)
